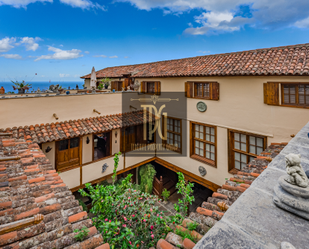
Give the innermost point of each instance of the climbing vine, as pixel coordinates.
(146, 175)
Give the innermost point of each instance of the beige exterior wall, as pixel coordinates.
(71, 178)
(87, 83)
(116, 141)
(87, 152)
(38, 110)
(50, 155)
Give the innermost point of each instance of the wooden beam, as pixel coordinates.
(188, 175)
(16, 225)
(9, 158)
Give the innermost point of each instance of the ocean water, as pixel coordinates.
(43, 85)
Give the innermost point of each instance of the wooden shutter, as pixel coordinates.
(189, 89)
(214, 90)
(143, 87)
(114, 85)
(271, 93)
(158, 87)
(125, 83)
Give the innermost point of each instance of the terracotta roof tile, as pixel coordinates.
(34, 196)
(288, 60)
(62, 130)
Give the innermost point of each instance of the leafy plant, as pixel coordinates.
(192, 226)
(165, 194)
(126, 217)
(116, 162)
(176, 219)
(21, 85)
(185, 189)
(105, 82)
(100, 86)
(146, 175)
(84, 206)
(185, 234)
(81, 233)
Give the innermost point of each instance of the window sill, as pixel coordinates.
(204, 160)
(295, 106)
(234, 171)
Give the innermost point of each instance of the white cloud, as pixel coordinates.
(86, 52)
(303, 23)
(114, 56)
(11, 56)
(84, 4)
(126, 57)
(63, 75)
(232, 15)
(100, 56)
(6, 44)
(60, 54)
(30, 43)
(21, 3)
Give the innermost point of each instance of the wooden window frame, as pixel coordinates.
(178, 150)
(110, 145)
(80, 154)
(191, 90)
(207, 161)
(296, 84)
(157, 87)
(231, 149)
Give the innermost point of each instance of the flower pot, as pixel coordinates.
(21, 90)
(106, 86)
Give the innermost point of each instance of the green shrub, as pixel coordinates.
(146, 175)
(165, 194)
(192, 225)
(82, 233)
(84, 206)
(185, 235)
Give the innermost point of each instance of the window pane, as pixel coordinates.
(196, 127)
(206, 90)
(237, 156)
(259, 142)
(307, 89)
(237, 145)
(301, 89)
(207, 154)
(243, 147)
(301, 99)
(201, 135)
(307, 100)
(212, 131)
(252, 149)
(252, 140)
(212, 139)
(212, 156)
(196, 144)
(208, 147)
(212, 148)
(251, 158)
(197, 151)
(243, 158)
(243, 165)
(236, 136)
(201, 128)
(207, 137)
(292, 99)
(243, 138)
(286, 99)
(259, 150)
(196, 134)
(74, 142)
(207, 130)
(237, 165)
(63, 145)
(292, 89)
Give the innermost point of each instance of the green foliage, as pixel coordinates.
(192, 226)
(116, 162)
(105, 82)
(177, 219)
(20, 85)
(146, 175)
(126, 217)
(166, 194)
(100, 86)
(81, 233)
(81, 203)
(185, 189)
(185, 234)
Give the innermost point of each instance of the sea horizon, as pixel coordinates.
(43, 85)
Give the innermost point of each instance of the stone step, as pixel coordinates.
(193, 233)
(202, 229)
(210, 206)
(201, 219)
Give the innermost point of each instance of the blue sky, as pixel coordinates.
(60, 40)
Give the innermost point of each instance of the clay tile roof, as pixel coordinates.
(287, 60)
(37, 210)
(63, 130)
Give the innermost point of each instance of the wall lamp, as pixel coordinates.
(55, 116)
(48, 149)
(116, 133)
(94, 110)
(87, 140)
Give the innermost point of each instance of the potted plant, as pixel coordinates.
(60, 89)
(21, 86)
(100, 86)
(105, 83)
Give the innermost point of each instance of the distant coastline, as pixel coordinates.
(43, 85)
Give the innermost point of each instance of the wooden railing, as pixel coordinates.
(157, 186)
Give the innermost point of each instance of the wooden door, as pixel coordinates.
(67, 154)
